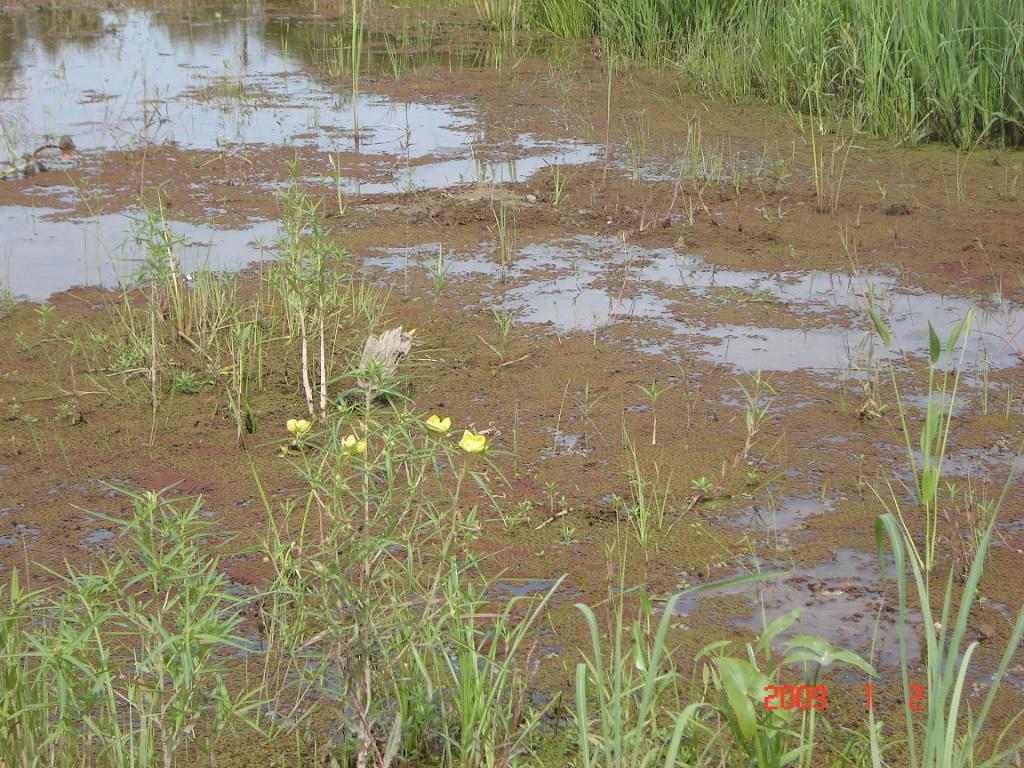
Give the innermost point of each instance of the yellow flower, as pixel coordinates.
(472, 443)
(436, 424)
(352, 444)
(298, 426)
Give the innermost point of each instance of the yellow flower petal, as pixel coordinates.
(301, 427)
(292, 425)
(472, 443)
(352, 444)
(436, 424)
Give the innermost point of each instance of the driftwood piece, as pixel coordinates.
(381, 355)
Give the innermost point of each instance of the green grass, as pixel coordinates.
(124, 665)
(905, 70)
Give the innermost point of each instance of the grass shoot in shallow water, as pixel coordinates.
(647, 508)
(926, 461)
(506, 237)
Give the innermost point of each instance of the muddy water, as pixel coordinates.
(438, 142)
(43, 251)
(144, 78)
(584, 283)
(841, 600)
(137, 78)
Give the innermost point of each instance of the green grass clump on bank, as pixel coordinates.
(906, 70)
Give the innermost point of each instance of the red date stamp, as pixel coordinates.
(805, 697)
(802, 697)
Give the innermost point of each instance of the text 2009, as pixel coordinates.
(796, 697)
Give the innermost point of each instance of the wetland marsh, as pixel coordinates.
(697, 396)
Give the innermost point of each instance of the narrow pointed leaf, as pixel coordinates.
(934, 346)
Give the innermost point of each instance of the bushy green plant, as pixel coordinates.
(125, 666)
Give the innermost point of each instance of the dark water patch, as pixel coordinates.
(841, 600)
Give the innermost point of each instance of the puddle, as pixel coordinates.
(787, 514)
(42, 252)
(983, 468)
(1009, 533)
(566, 444)
(135, 77)
(98, 537)
(637, 408)
(21, 532)
(150, 79)
(840, 602)
(123, 78)
(425, 257)
(521, 587)
(584, 283)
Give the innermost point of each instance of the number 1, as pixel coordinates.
(867, 689)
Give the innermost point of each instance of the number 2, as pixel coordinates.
(772, 695)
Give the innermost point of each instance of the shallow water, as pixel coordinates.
(135, 77)
(787, 514)
(840, 600)
(42, 251)
(584, 283)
